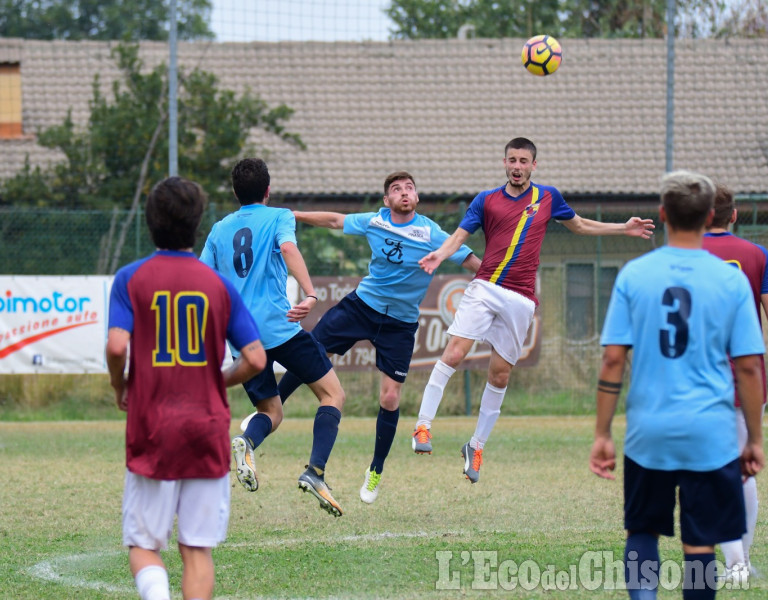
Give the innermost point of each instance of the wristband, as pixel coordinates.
(312, 296)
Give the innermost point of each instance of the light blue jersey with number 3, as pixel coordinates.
(245, 248)
(683, 312)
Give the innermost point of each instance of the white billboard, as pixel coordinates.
(53, 324)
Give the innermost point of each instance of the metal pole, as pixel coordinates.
(173, 116)
(467, 373)
(598, 273)
(670, 148)
(467, 392)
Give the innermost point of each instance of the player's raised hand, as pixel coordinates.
(301, 310)
(637, 227)
(430, 262)
(602, 458)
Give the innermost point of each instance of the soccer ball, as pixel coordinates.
(542, 55)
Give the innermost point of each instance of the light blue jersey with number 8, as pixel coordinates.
(245, 248)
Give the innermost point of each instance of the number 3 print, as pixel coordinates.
(674, 339)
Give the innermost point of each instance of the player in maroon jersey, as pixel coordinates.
(176, 314)
(752, 260)
(499, 302)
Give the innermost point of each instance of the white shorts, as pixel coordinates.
(493, 314)
(149, 507)
(741, 426)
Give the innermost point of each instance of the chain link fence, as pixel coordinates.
(576, 275)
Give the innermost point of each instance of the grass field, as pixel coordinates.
(536, 501)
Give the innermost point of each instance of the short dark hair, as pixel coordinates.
(724, 206)
(397, 176)
(174, 211)
(687, 199)
(250, 180)
(521, 143)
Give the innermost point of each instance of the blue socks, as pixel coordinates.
(641, 570)
(641, 566)
(324, 432)
(386, 427)
(699, 575)
(259, 427)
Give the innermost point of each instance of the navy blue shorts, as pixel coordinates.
(302, 355)
(352, 320)
(711, 503)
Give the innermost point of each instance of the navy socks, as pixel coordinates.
(325, 430)
(259, 427)
(386, 427)
(641, 566)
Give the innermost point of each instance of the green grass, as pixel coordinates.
(60, 531)
(89, 397)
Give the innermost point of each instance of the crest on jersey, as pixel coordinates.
(532, 209)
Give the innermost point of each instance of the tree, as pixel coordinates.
(421, 19)
(113, 161)
(418, 19)
(127, 20)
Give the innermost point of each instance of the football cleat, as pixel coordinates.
(472, 461)
(370, 490)
(737, 576)
(311, 482)
(244, 422)
(244, 462)
(420, 442)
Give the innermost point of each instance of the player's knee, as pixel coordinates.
(452, 356)
(498, 379)
(276, 420)
(389, 400)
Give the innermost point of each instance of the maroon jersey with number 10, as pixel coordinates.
(180, 314)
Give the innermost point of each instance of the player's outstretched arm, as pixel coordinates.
(749, 383)
(634, 227)
(602, 457)
(298, 268)
(331, 220)
(117, 355)
(248, 364)
(452, 243)
(471, 263)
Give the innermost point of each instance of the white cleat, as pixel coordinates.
(370, 490)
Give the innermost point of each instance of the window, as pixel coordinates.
(587, 290)
(10, 100)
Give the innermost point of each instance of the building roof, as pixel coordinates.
(444, 109)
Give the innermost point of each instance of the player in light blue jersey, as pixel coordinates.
(384, 309)
(255, 248)
(681, 311)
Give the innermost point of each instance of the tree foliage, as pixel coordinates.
(126, 20)
(114, 159)
(103, 158)
(419, 19)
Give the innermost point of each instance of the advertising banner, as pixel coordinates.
(437, 310)
(58, 324)
(51, 324)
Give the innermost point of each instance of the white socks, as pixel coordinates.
(490, 409)
(750, 502)
(737, 551)
(433, 393)
(152, 583)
